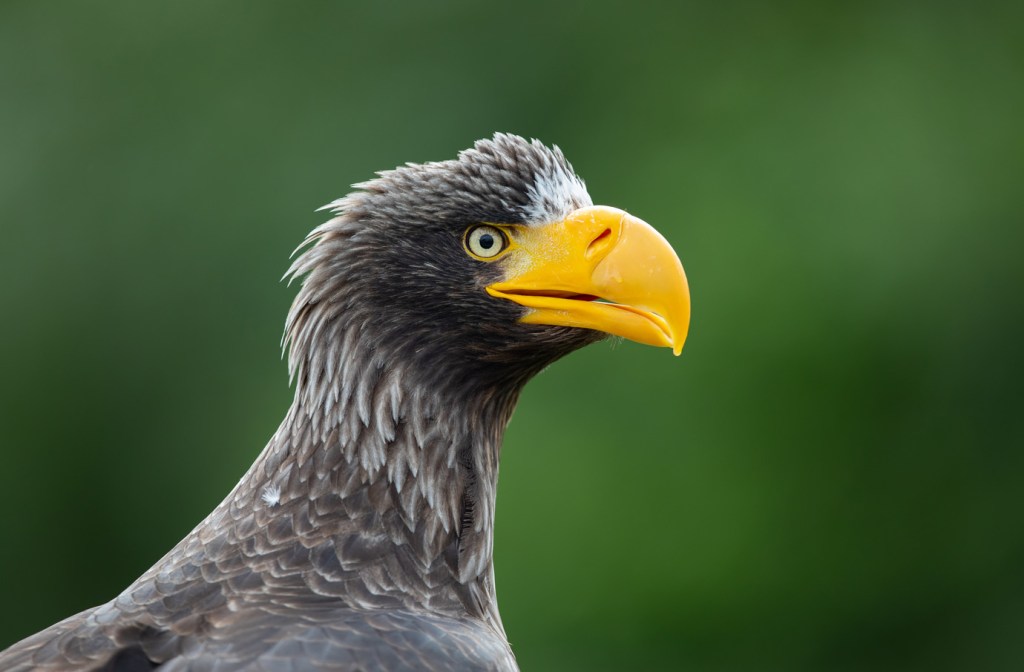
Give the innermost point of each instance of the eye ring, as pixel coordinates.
(485, 242)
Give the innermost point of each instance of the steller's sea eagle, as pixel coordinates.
(361, 538)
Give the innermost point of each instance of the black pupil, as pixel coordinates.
(486, 241)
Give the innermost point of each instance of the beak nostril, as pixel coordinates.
(599, 245)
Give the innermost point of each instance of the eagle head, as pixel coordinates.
(483, 268)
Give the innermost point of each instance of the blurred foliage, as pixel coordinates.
(829, 478)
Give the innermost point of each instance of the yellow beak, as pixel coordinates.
(599, 268)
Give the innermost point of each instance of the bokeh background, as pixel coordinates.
(829, 478)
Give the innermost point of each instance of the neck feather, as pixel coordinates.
(392, 469)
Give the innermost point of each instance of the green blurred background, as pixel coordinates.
(829, 478)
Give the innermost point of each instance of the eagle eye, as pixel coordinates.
(485, 242)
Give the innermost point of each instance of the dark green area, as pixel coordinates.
(829, 478)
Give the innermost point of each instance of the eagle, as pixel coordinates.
(362, 536)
